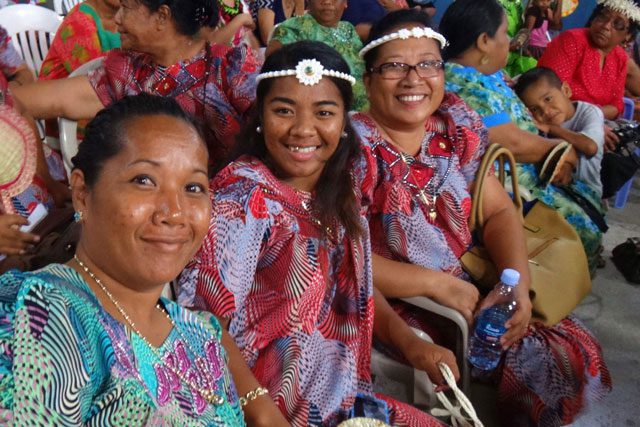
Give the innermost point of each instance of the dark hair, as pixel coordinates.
(334, 192)
(189, 15)
(389, 22)
(634, 26)
(534, 75)
(105, 134)
(465, 20)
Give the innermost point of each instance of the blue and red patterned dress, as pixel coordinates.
(300, 303)
(553, 372)
(217, 87)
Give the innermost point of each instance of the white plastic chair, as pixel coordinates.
(62, 7)
(69, 128)
(32, 29)
(420, 388)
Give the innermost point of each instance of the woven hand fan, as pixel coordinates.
(17, 156)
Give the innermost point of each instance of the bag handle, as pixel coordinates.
(494, 152)
(451, 409)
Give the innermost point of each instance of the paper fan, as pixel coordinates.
(17, 156)
(569, 6)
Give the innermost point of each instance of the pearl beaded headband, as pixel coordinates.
(626, 7)
(405, 33)
(309, 72)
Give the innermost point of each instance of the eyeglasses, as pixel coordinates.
(400, 70)
(618, 24)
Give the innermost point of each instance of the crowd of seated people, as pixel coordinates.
(295, 168)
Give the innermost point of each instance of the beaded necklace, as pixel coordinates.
(207, 393)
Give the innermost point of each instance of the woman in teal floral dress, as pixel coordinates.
(322, 24)
(473, 71)
(92, 342)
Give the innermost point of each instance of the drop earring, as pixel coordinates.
(484, 60)
(259, 129)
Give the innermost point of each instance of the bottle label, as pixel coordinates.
(490, 323)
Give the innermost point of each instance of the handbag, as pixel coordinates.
(59, 238)
(557, 261)
(626, 257)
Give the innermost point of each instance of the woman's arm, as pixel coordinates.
(397, 279)
(393, 331)
(266, 22)
(503, 236)
(555, 23)
(632, 83)
(259, 412)
(72, 98)
(610, 112)
(525, 146)
(226, 34)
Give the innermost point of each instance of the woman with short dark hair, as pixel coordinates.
(92, 342)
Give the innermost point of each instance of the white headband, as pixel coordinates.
(405, 33)
(626, 7)
(309, 72)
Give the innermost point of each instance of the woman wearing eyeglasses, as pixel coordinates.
(591, 60)
(428, 144)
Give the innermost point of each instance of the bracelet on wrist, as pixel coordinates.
(252, 395)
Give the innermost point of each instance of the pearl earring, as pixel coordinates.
(259, 129)
(344, 134)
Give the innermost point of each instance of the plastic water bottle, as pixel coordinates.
(485, 348)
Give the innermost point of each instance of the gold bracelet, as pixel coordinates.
(252, 395)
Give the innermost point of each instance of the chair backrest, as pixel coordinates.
(62, 7)
(69, 128)
(629, 107)
(32, 29)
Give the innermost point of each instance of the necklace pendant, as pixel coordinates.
(432, 214)
(432, 209)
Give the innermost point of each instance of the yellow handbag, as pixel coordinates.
(557, 261)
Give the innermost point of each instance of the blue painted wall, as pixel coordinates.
(577, 19)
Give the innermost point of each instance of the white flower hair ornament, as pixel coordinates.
(628, 8)
(404, 34)
(309, 72)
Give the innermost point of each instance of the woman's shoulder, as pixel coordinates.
(54, 278)
(366, 128)
(246, 172)
(80, 14)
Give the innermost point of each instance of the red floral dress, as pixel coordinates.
(550, 375)
(300, 303)
(216, 86)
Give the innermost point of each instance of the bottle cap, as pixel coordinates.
(510, 277)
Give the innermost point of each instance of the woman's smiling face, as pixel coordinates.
(302, 126)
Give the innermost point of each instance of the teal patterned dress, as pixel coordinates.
(65, 361)
(343, 38)
(497, 104)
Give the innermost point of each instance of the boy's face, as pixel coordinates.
(548, 104)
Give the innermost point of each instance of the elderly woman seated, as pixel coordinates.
(92, 342)
(428, 145)
(322, 24)
(163, 54)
